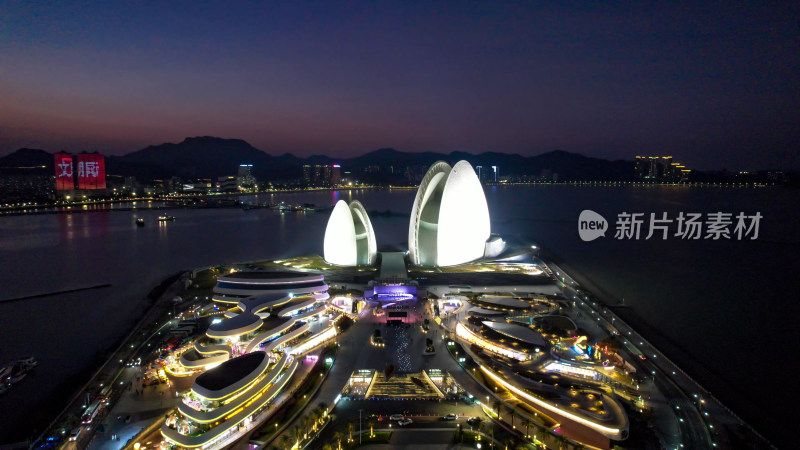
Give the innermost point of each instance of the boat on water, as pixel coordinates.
(28, 362)
(140, 222)
(166, 218)
(16, 378)
(14, 372)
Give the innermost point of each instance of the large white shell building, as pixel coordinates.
(349, 237)
(450, 218)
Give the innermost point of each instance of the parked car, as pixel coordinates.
(474, 421)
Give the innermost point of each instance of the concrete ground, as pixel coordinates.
(356, 353)
(420, 439)
(153, 403)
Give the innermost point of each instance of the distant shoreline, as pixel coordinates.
(35, 209)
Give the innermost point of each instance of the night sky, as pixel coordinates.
(715, 86)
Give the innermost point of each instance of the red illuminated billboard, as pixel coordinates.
(64, 175)
(91, 171)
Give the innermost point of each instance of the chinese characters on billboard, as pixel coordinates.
(64, 175)
(91, 169)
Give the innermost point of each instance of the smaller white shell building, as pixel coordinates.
(450, 218)
(349, 238)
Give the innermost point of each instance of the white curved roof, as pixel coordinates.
(365, 235)
(517, 332)
(349, 237)
(340, 237)
(450, 218)
(501, 301)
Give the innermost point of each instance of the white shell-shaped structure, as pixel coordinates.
(450, 218)
(349, 238)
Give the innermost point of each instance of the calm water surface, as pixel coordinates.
(726, 309)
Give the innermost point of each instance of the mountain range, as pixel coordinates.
(211, 157)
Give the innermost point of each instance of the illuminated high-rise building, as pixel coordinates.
(91, 170)
(660, 168)
(245, 178)
(65, 180)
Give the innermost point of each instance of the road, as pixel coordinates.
(670, 381)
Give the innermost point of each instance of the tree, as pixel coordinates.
(350, 428)
(297, 432)
(497, 405)
(323, 411)
(286, 442)
(371, 425)
(344, 323)
(307, 421)
(337, 436)
(511, 411)
(313, 416)
(526, 423)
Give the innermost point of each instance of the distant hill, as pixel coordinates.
(27, 157)
(200, 157)
(210, 157)
(569, 166)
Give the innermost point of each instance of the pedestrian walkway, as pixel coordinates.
(137, 409)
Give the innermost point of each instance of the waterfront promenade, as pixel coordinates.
(695, 410)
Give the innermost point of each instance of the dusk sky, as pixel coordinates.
(714, 86)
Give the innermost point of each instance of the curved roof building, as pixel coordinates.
(233, 287)
(223, 398)
(450, 218)
(349, 238)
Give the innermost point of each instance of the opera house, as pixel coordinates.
(449, 223)
(349, 238)
(450, 218)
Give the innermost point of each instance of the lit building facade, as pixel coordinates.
(232, 288)
(248, 355)
(245, 178)
(660, 168)
(226, 399)
(349, 237)
(450, 218)
(322, 175)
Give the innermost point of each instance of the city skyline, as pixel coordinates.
(706, 85)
